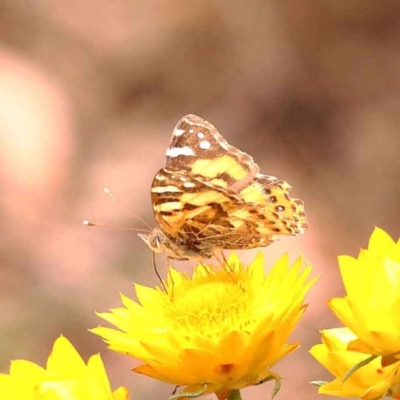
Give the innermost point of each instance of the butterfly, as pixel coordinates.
(211, 196)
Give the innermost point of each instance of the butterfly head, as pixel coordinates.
(155, 240)
(177, 250)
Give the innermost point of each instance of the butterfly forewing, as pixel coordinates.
(198, 147)
(185, 203)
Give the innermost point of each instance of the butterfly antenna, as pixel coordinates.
(157, 273)
(109, 194)
(117, 228)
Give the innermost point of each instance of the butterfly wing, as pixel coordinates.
(207, 217)
(283, 215)
(258, 215)
(197, 146)
(187, 204)
(212, 196)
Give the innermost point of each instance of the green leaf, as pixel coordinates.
(356, 367)
(277, 386)
(190, 395)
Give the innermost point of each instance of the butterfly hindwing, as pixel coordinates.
(283, 214)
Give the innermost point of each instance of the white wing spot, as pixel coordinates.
(200, 135)
(160, 177)
(183, 179)
(179, 132)
(205, 144)
(189, 184)
(179, 151)
(191, 130)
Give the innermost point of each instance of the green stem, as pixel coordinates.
(235, 395)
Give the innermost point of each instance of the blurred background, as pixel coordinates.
(89, 94)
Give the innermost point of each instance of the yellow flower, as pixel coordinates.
(220, 330)
(371, 307)
(66, 377)
(369, 382)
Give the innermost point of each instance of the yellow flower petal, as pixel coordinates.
(370, 308)
(64, 360)
(66, 377)
(369, 382)
(224, 327)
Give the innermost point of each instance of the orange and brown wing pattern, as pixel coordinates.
(282, 214)
(204, 217)
(196, 146)
(211, 196)
(190, 213)
(186, 204)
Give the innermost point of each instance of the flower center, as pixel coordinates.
(211, 306)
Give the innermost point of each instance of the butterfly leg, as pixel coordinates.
(205, 267)
(175, 390)
(220, 256)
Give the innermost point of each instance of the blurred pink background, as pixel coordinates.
(89, 94)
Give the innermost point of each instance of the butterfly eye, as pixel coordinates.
(157, 241)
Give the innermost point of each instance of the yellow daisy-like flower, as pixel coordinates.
(371, 307)
(217, 332)
(369, 382)
(66, 377)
